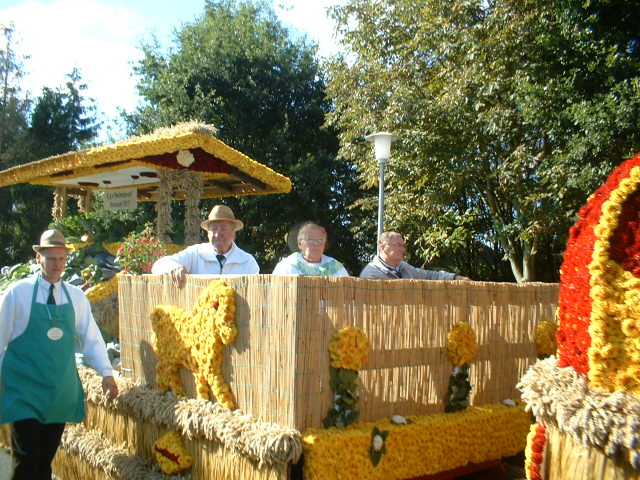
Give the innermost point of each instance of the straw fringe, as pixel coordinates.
(562, 398)
(265, 443)
(115, 460)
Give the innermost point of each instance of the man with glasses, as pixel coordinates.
(389, 264)
(309, 240)
(220, 255)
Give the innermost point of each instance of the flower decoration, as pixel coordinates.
(102, 290)
(599, 300)
(462, 347)
(546, 338)
(171, 454)
(431, 444)
(461, 344)
(139, 250)
(534, 453)
(195, 340)
(349, 350)
(378, 446)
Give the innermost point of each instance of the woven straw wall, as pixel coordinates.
(278, 368)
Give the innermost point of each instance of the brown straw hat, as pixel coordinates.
(222, 213)
(51, 238)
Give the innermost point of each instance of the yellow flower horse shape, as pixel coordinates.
(195, 340)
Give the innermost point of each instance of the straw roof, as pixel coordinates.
(136, 162)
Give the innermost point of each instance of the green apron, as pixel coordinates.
(39, 374)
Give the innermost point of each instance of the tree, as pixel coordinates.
(238, 68)
(61, 121)
(511, 112)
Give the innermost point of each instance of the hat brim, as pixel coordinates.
(291, 237)
(237, 224)
(39, 248)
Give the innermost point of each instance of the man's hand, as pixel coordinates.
(109, 388)
(179, 276)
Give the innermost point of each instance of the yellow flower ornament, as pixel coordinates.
(349, 349)
(462, 344)
(171, 454)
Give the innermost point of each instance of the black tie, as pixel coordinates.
(51, 300)
(221, 260)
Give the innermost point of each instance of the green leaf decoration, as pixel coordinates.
(378, 445)
(459, 389)
(345, 410)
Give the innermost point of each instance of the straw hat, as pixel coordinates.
(51, 238)
(291, 237)
(222, 213)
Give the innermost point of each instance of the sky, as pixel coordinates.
(102, 37)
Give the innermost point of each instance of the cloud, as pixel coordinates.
(99, 39)
(310, 17)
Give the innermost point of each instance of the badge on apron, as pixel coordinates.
(55, 333)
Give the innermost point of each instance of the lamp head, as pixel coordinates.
(382, 143)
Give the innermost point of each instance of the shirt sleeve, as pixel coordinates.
(7, 320)
(436, 275)
(88, 337)
(184, 257)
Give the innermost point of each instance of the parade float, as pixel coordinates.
(278, 377)
(586, 398)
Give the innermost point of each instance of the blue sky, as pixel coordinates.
(100, 37)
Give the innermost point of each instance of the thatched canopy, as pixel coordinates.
(141, 161)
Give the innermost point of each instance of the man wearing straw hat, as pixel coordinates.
(43, 321)
(389, 264)
(219, 256)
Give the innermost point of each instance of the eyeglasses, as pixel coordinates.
(317, 241)
(396, 245)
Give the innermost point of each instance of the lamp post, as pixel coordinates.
(382, 142)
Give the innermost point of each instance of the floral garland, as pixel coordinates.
(171, 454)
(349, 350)
(102, 290)
(195, 341)
(546, 333)
(534, 453)
(430, 444)
(462, 347)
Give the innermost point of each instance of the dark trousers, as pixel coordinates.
(34, 446)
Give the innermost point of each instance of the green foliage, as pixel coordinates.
(511, 113)
(8, 275)
(459, 390)
(237, 68)
(89, 266)
(61, 120)
(345, 409)
(105, 225)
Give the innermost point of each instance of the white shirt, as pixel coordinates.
(15, 309)
(288, 265)
(201, 258)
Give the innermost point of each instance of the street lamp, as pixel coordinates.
(382, 142)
